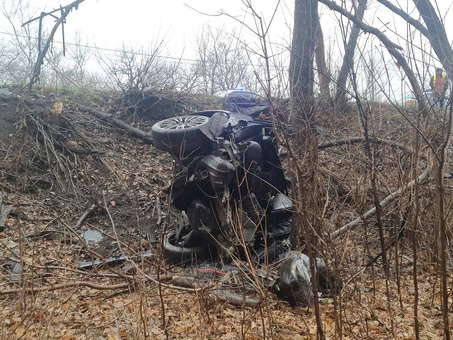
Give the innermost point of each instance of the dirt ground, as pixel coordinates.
(59, 163)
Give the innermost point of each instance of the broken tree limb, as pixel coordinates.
(63, 147)
(414, 22)
(235, 299)
(133, 131)
(186, 282)
(220, 294)
(65, 285)
(357, 140)
(76, 284)
(385, 202)
(84, 216)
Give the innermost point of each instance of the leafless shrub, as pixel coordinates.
(134, 70)
(19, 49)
(221, 61)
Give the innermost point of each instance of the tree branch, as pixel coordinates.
(64, 286)
(417, 24)
(392, 48)
(356, 140)
(133, 131)
(385, 202)
(437, 35)
(64, 13)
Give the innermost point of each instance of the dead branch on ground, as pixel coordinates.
(64, 286)
(133, 131)
(84, 216)
(357, 140)
(385, 202)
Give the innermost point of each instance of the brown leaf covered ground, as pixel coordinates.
(45, 295)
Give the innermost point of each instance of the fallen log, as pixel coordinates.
(357, 140)
(77, 284)
(385, 202)
(64, 286)
(235, 299)
(133, 131)
(220, 294)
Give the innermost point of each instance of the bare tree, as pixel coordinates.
(323, 71)
(222, 63)
(306, 223)
(79, 55)
(302, 113)
(183, 77)
(439, 120)
(133, 70)
(348, 59)
(19, 50)
(64, 12)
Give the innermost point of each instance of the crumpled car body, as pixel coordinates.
(229, 183)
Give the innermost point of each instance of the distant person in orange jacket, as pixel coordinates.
(438, 85)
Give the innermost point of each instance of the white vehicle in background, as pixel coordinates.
(239, 100)
(410, 99)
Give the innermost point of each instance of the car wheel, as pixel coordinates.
(180, 135)
(176, 253)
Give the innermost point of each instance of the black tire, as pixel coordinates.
(178, 255)
(180, 135)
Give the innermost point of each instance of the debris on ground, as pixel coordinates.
(295, 283)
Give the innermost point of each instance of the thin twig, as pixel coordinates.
(159, 211)
(84, 216)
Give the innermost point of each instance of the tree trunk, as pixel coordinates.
(348, 59)
(441, 46)
(323, 72)
(436, 34)
(302, 113)
(306, 194)
(37, 68)
(392, 48)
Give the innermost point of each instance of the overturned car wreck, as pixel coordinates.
(229, 187)
(229, 184)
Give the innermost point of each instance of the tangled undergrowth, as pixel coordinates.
(65, 172)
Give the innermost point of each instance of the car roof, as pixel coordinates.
(228, 92)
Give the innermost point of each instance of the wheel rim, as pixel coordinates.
(185, 122)
(184, 237)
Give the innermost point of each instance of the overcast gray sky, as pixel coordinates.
(136, 23)
(110, 23)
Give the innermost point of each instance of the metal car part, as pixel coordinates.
(220, 171)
